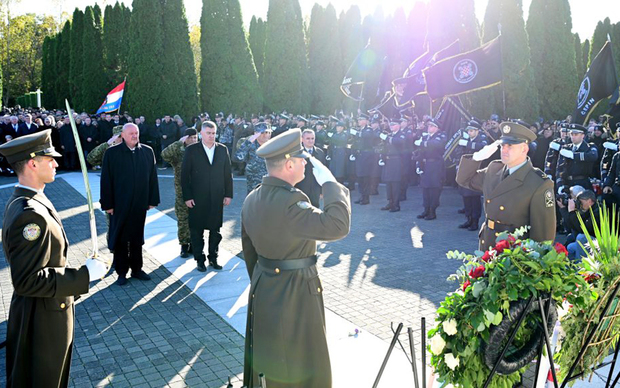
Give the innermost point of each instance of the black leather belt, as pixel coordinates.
(287, 265)
(576, 177)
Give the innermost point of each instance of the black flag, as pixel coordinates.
(599, 82)
(366, 61)
(477, 69)
(451, 117)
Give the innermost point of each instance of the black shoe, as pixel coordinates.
(189, 248)
(461, 211)
(423, 214)
(431, 215)
(140, 275)
(201, 266)
(473, 227)
(387, 207)
(365, 201)
(185, 251)
(358, 201)
(215, 265)
(395, 209)
(466, 224)
(121, 281)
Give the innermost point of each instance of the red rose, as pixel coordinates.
(559, 248)
(500, 246)
(466, 284)
(477, 272)
(486, 257)
(512, 239)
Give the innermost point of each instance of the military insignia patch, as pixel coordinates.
(304, 205)
(549, 199)
(31, 232)
(506, 129)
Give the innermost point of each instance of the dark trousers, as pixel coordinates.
(393, 193)
(128, 255)
(430, 197)
(198, 244)
(365, 185)
(71, 160)
(612, 198)
(473, 206)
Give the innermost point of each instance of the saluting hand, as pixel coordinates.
(190, 203)
(110, 211)
(227, 201)
(607, 190)
(252, 138)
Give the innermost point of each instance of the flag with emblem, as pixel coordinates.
(368, 60)
(477, 69)
(599, 82)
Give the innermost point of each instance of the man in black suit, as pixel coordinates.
(27, 127)
(206, 181)
(309, 185)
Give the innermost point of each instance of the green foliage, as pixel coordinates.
(514, 269)
(146, 81)
(285, 70)
(63, 62)
(115, 41)
(76, 59)
(47, 73)
(94, 84)
(323, 58)
(599, 38)
(581, 70)
(256, 40)
(553, 56)
(178, 62)
(351, 43)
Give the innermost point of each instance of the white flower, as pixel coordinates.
(449, 327)
(451, 361)
(437, 344)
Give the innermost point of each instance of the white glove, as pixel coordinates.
(381, 162)
(352, 158)
(321, 173)
(486, 152)
(383, 136)
(330, 134)
(465, 135)
(560, 189)
(96, 269)
(353, 132)
(327, 158)
(418, 142)
(463, 142)
(567, 153)
(554, 146)
(610, 145)
(550, 176)
(419, 171)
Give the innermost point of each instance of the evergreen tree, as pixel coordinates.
(351, 43)
(97, 15)
(375, 29)
(146, 81)
(62, 66)
(76, 62)
(256, 40)
(94, 83)
(397, 45)
(579, 57)
(416, 31)
(178, 62)
(323, 57)
(585, 52)
(553, 61)
(111, 40)
(285, 67)
(47, 73)
(615, 46)
(599, 38)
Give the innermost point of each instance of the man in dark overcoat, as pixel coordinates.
(309, 185)
(41, 315)
(129, 188)
(285, 331)
(206, 181)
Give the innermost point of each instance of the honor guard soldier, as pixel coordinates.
(611, 148)
(338, 152)
(41, 315)
(430, 167)
(516, 194)
(551, 159)
(366, 159)
(472, 199)
(406, 157)
(575, 161)
(322, 140)
(285, 332)
(392, 160)
(282, 126)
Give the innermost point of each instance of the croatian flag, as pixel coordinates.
(113, 100)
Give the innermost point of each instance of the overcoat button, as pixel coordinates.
(277, 270)
(62, 305)
(501, 208)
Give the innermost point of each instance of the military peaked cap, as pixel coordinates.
(287, 145)
(29, 146)
(577, 128)
(515, 133)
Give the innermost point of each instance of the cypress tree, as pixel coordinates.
(375, 28)
(146, 81)
(93, 75)
(178, 62)
(351, 43)
(285, 68)
(62, 66)
(599, 38)
(97, 15)
(579, 57)
(256, 40)
(76, 63)
(553, 61)
(323, 57)
(615, 46)
(585, 52)
(45, 75)
(397, 44)
(111, 40)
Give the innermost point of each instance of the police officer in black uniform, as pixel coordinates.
(321, 138)
(282, 126)
(392, 160)
(551, 159)
(365, 157)
(610, 149)
(575, 161)
(430, 167)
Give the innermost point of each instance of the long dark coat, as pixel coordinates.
(285, 332)
(430, 158)
(366, 163)
(129, 186)
(207, 184)
(339, 154)
(41, 316)
(309, 185)
(392, 157)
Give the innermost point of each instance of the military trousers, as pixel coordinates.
(473, 206)
(198, 244)
(182, 212)
(393, 193)
(430, 197)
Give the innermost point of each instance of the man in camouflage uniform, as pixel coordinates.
(255, 168)
(95, 157)
(173, 154)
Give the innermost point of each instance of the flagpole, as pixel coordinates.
(118, 111)
(501, 57)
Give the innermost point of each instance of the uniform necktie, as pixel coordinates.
(505, 174)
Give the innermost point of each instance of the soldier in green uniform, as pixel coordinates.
(255, 168)
(285, 332)
(41, 315)
(515, 193)
(173, 154)
(95, 157)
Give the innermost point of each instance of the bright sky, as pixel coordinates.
(586, 13)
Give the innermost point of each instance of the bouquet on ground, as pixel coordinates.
(495, 287)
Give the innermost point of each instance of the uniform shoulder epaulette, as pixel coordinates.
(541, 173)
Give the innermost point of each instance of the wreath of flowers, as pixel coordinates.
(512, 270)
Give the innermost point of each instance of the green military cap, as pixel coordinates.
(515, 133)
(28, 146)
(286, 145)
(117, 130)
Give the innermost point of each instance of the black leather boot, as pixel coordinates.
(431, 215)
(423, 214)
(466, 224)
(473, 226)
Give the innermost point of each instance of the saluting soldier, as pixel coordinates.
(41, 316)
(611, 148)
(430, 167)
(392, 159)
(285, 331)
(246, 152)
(575, 161)
(95, 157)
(551, 159)
(322, 139)
(173, 154)
(515, 193)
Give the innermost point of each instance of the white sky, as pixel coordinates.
(585, 13)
